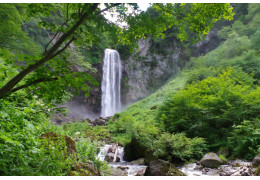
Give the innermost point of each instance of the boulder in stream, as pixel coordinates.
(210, 160)
(162, 168)
(110, 157)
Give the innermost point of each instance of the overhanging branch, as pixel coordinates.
(33, 83)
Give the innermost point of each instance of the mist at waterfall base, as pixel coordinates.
(111, 82)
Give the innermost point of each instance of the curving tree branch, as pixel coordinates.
(52, 52)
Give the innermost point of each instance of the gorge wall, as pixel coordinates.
(148, 69)
(142, 73)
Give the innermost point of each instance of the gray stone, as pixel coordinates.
(239, 163)
(210, 160)
(256, 161)
(119, 172)
(138, 162)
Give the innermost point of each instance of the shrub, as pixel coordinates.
(177, 147)
(22, 152)
(211, 107)
(245, 139)
(87, 152)
(127, 128)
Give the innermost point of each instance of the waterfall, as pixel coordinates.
(112, 73)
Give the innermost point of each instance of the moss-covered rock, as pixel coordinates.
(162, 168)
(138, 162)
(210, 160)
(84, 169)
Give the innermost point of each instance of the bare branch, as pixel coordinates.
(51, 41)
(60, 51)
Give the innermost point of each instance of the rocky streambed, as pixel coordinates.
(210, 165)
(232, 168)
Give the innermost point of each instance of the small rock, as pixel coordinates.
(110, 150)
(123, 167)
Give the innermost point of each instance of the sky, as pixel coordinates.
(143, 5)
(108, 15)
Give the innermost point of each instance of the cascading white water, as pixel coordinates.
(112, 74)
(130, 169)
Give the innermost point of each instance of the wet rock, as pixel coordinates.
(110, 157)
(256, 161)
(212, 172)
(118, 171)
(210, 160)
(101, 121)
(138, 162)
(110, 149)
(243, 171)
(162, 168)
(239, 163)
(140, 172)
(123, 167)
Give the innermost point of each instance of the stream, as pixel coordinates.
(124, 168)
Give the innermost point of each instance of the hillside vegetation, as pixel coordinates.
(214, 100)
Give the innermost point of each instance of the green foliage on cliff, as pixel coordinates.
(210, 108)
(208, 99)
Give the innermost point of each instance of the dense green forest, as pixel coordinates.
(211, 105)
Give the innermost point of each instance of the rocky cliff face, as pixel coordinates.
(143, 73)
(146, 71)
(81, 107)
